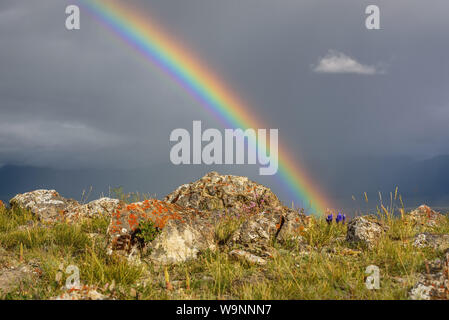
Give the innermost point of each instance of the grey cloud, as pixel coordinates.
(86, 99)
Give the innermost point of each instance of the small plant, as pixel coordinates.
(147, 231)
(130, 197)
(226, 227)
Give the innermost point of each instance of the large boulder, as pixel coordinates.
(264, 217)
(49, 206)
(366, 230)
(424, 215)
(176, 234)
(231, 194)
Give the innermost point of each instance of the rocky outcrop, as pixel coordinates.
(265, 218)
(224, 193)
(434, 241)
(168, 232)
(424, 215)
(366, 230)
(49, 206)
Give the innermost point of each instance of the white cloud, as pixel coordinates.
(337, 62)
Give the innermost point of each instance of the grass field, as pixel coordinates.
(321, 266)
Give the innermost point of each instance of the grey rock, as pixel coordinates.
(180, 241)
(435, 241)
(49, 206)
(225, 193)
(434, 283)
(365, 229)
(424, 215)
(183, 232)
(267, 226)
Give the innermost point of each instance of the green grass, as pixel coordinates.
(331, 269)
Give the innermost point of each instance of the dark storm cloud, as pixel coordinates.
(85, 99)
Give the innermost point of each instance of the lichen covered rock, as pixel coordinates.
(47, 205)
(434, 283)
(182, 240)
(232, 194)
(102, 206)
(424, 215)
(182, 233)
(366, 230)
(261, 228)
(435, 241)
(265, 218)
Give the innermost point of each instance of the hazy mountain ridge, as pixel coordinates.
(422, 181)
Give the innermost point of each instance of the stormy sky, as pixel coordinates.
(353, 105)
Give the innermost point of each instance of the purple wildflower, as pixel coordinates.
(330, 218)
(339, 217)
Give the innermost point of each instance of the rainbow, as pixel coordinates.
(149, 39)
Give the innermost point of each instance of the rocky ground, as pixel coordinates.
(221, 237)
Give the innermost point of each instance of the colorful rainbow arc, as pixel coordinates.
(158, 47)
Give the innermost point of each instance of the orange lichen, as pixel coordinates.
(156, 211)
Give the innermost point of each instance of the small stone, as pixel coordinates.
(58, 277)
(248, 257)
(420, 292)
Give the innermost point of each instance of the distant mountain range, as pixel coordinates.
(424, 181)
